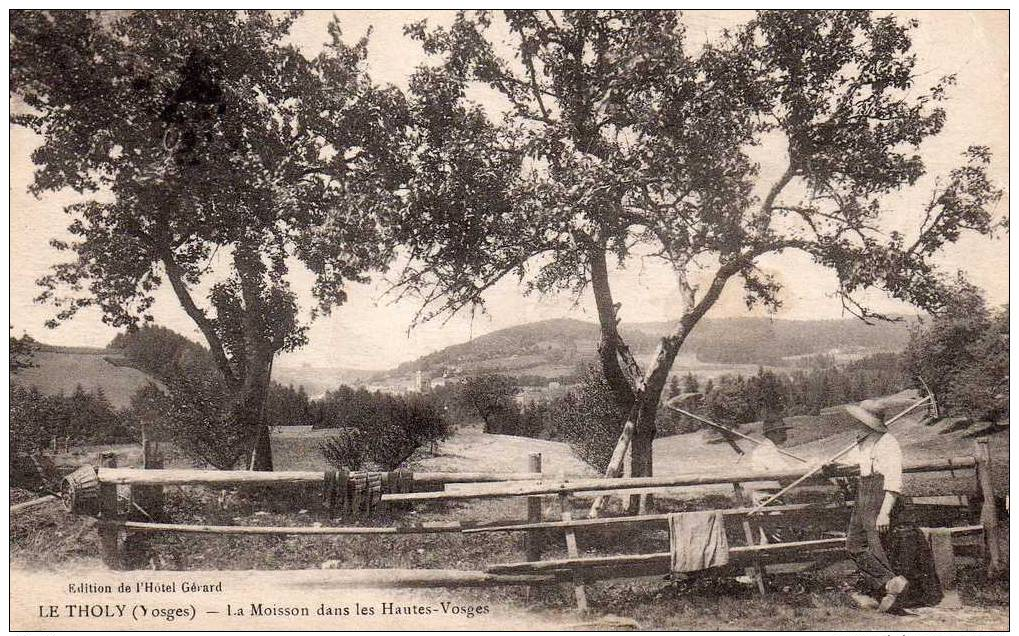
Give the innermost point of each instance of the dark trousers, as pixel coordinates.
(863, 541)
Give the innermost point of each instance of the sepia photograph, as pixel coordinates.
(508, 320)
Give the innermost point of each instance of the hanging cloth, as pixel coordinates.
(697, 540)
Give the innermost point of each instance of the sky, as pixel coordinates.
(372, 332)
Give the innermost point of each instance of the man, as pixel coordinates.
(879, 458)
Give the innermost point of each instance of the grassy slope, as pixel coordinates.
(58, 370)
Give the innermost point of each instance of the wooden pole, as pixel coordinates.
(617, 461)
(630, 483)
(109, 533)
(149, 498)
(658, 558)
(386, 578)
(197, 477)
(611, 521)
(178, 528)
(28, 505)
(756, 571)
(988, 510)
(572, 552)
(533, 539)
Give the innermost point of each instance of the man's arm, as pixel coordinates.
(884, 515)
(888, 462)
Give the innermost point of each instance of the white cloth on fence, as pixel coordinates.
(697, 540)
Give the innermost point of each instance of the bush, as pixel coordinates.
(197, 414)
(588, 420)
(384, 431)
(345, 450)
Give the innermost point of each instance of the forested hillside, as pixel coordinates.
(555, 344)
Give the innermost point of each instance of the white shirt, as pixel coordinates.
(879, 454)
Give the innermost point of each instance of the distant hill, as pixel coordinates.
(61, 369)
(551, 344)
(317, 380)
(550, 348)
(771, 341)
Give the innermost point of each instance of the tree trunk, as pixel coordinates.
(261, 454)
(252, 411)
(641, 447)
(653, 383)
(259, 350)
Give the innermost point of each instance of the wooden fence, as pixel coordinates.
(575, 570)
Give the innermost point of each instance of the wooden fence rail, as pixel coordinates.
(197, 477)
(611, 521)
(421, 528)
(629, 483)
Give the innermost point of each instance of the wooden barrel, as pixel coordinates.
(80, 491)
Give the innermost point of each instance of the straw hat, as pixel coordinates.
(870, 413)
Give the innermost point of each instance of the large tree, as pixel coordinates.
(222, 157)
(962, 355)
(490, 396)
(617, 140)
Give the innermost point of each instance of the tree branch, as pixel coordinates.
(610, 343)
(208, 329)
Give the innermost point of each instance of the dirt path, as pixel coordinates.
(248, 600)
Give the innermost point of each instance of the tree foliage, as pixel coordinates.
(196, 413)
(193, 395)
(162, 352)
(620, 140)
(489, 396)
(220, 156)
(962, 354)
(86, 417)
(378, 431)
(19, 352)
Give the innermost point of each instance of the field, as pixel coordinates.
(59, 370)
(50, 538)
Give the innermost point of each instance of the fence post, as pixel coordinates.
(750, 532)
(988, 510)
(149, 498)
(566, 504)
(109, 535)
(533, 538)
